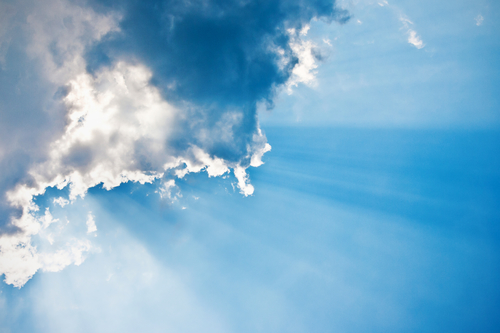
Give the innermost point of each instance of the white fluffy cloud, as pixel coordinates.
(305, 70)
(414, 39)
(118, 129)
(108, 124)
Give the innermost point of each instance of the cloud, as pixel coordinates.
(20, 259)
(91, 227)
(7, 12)
(61, 201)
(413, 37)
(42, 46)
(304, 50)
(74, 253)
(134, 91)
(479, 20)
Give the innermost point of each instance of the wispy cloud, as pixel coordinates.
(479, 20)
(413, 38)
(412, 35)
(61, 201)
(91, 227)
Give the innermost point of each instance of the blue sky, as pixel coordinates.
(374, 78)
(133, 194)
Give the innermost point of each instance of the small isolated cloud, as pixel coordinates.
(91, 227)
(383, 3)
(479, 20)
(74, 253)
(166, 190)
(413, 38)
(61, 201)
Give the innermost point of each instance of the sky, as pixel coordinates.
(249, 166)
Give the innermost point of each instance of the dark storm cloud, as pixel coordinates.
(218, 55)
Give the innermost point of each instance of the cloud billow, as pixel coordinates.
(135, 91)
(217, 55)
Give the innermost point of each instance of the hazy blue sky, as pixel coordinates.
(133, 195)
